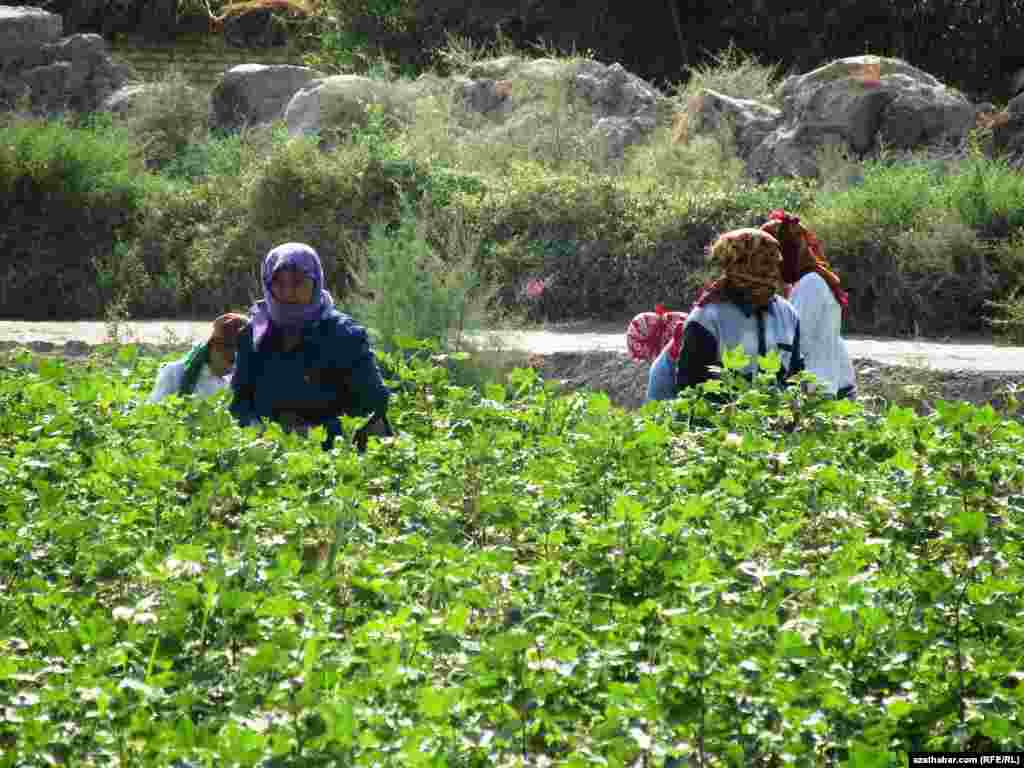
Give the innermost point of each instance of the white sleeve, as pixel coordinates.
(809, 298)
(168, 381)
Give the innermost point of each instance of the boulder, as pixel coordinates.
(856, 101)
(251, 94)
(484, 96)
(1008, 130)
(751, 121)
(337, 104)
(625, 108)
(25, 30)
(57, 74)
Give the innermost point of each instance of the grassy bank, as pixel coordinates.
(170, 219)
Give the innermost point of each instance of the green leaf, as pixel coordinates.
(904, 460)
(127, 354)
(900, 418)
(864, 756)
(654, 434)
(457, 617)
(969, 522)
(405, 343)
(341, 719)
(735, 359)
(310, 656)
(51, 369)
(436, 703)
(770, 363)
(599, 404)
(627, 508)
(899, 708)
(996, 727)
(495, 391)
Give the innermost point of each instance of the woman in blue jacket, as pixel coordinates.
(301, 362)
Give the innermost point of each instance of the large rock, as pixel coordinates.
(1008, 130)
(25, 29)
(333, 105)
(751, 121)
(251, 94)
(855, 102)
(56, 74)
(625, 108)
(612, 108)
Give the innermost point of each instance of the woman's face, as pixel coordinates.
(292, 286)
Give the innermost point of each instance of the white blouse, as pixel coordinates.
(168, 381)
(824, 350)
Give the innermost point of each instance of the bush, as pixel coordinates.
(988, 195)
(414, 292)
(69, 194)
(169, 118)
(734, 73)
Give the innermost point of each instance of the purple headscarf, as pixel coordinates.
(270, 311)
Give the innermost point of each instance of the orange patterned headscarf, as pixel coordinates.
(751, 261)
(802, 252)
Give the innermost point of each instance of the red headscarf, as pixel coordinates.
(650, 332)
(802, 252)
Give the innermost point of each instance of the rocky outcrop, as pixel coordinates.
(611, 107)
(251, 94)
(55, 74)
(1008, 130)
(857, 102)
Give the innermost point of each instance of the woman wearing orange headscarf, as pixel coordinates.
(819, 300)
(741, 308)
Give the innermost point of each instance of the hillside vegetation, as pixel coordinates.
(157, 216)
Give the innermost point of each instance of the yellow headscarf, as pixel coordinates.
(751, 261)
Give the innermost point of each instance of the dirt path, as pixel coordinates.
(576, 338)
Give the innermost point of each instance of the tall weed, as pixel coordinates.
(460, 53)
(988, 195)
(413, 291)
(732, 72)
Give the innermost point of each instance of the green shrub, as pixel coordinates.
(415, 293)
(168, 118)
(69, 194)
(988, 195)
(733, 73)
(217, 156)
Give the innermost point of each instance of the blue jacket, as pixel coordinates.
(331, 372)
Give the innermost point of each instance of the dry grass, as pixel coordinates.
(168, 118)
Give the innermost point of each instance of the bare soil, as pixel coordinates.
(625, 381)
